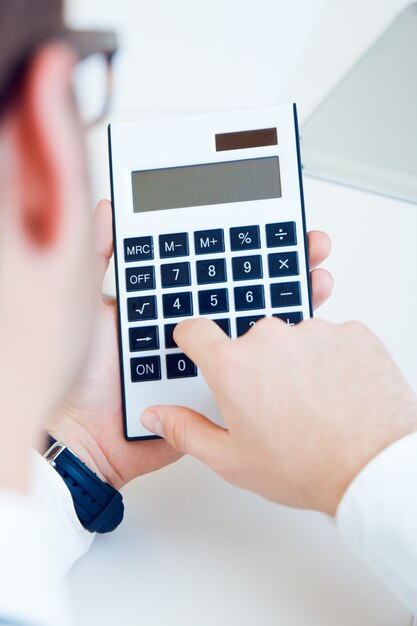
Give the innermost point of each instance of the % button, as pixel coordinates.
(245, 238)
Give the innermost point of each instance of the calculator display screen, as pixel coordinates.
(201, 185)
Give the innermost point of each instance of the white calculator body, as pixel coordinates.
(208, 221)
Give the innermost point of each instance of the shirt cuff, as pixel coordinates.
(40, 539)
(378, 516)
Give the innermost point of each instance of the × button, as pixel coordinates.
(283, 264)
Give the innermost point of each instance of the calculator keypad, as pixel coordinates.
(264, 279)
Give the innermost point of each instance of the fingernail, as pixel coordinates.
(152, 422)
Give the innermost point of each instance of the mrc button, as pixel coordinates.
(138, 249)
(140, 278)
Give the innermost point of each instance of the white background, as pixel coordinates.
(194, 551)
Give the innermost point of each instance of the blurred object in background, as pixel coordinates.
(364, 134)
(187, 55)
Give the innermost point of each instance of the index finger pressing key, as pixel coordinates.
(199, 338)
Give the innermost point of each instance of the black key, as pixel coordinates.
(245, 238)
(283, 264)
(143, 338)
(141, 308)
(175, 244)
(282, 234)
(213, 301)
(213, 271)
(285, 294)
(138, 249)
(243, 324)
(169, 336)
(177, 304)
(180, 366)
(224, 325)
(247, 267)
(247, 298)
(175, 275)
(208, 241)
(290, 318)
(140, 278)
(145, 368)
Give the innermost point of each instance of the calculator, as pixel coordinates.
(208, 220)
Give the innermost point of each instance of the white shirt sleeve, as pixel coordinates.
(40, 539)
(378, 515)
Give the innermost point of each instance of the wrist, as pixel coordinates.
(77, 438)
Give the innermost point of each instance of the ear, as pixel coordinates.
(50, 156)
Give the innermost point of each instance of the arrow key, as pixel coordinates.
(143, 338)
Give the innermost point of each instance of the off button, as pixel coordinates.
(140, 278)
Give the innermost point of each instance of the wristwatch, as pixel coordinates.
(98, 505)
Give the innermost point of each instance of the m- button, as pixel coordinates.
(138, 249)
(173, 245)
(140, 278)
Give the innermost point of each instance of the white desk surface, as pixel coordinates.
(194, 551)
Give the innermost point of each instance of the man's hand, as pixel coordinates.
(91, 424)
(305, 407)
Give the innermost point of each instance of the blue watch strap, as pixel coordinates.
(98, 505)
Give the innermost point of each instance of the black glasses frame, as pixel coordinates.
(86, 44)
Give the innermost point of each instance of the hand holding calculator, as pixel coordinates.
(208, 221)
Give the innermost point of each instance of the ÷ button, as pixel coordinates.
(281, 234)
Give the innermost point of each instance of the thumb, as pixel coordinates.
(188, 432)
(103, 238)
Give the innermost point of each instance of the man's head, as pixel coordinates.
(45, 269)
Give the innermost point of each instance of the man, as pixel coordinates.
(51, 269)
